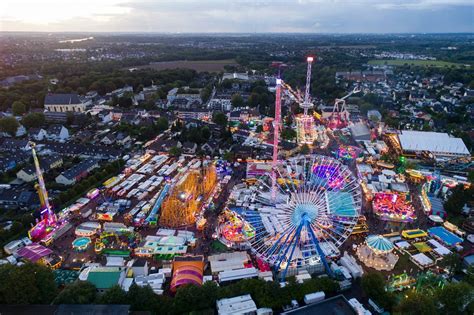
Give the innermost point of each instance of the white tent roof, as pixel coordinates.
(402, 244)
(435, 142)
(422, 259)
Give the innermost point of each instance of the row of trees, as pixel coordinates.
(32, 120)
(458, 197)
(34, 284)
(453, 298)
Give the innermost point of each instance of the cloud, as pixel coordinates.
(309, 16)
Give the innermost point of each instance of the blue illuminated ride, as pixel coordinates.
(317, 205)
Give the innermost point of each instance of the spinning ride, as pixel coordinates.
(393, 207)
(318, 199)
(377, 253)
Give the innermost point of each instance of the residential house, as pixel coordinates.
(83, 136)
(122, 138)
(20, 131)
(109, 139)
(189, 147)
(28, 174)
(38, 134)
(77, 172)
(57, 133)
(211, 146)
(14, 145)
(201, 114)
(12, 199)
(162, 145)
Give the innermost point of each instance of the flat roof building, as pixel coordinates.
(237, 305)
(437, 143)
(335, 305)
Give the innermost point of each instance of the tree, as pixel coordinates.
(454, 297)
(9, 125)
(373, 285)
(161, 124)
(175, 151)
(195, 298)
(114, 295)
(253, 100)
(18, 108)
(141, 298)
(237, 100)
(416, 303)
(81, 292)
(69, 118)
(33, 120)
(304, 149)
(457, 199)
(26, 284)
(228, 156)
(205, 94)
(288, 134)
(452, 262)
(205, 133)
(220, 118)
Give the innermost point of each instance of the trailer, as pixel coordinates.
(314, 297)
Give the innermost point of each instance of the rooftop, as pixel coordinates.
(432, 142)
(335, 305)
(104, 278)
(62, 99)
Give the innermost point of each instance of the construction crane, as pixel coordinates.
(338, 119)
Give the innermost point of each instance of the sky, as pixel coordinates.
(238, 16)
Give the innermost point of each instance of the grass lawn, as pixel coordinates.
(218, 247)
(198, 65)
(425, 63)
(404, 264)
(456, 219)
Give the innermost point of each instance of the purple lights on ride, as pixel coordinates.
(332, 174)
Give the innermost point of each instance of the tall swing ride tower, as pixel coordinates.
(305, 128)
(48, 217)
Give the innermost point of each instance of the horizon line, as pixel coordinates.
(239, 33)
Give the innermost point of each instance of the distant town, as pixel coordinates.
(236, 174)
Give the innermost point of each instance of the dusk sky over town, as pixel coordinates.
(246, 16)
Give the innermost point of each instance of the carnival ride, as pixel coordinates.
(401, 282)
(187, 197)
(348, 152)
(323, 206)
(81, 244)
(44, 229)
(233, 229)
(118, 241)
(305, 128)
(152, 217)
(340, 116)
(376, 253)
(393, 207)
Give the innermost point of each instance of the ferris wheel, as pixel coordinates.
(318, 201)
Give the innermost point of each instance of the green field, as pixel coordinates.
(425, 63)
